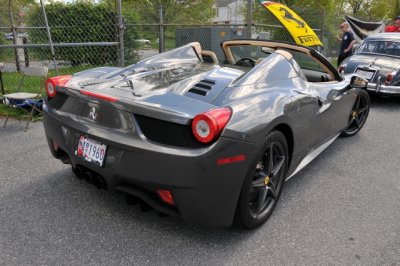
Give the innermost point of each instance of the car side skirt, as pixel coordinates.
(312, 155)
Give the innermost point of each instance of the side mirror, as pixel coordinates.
(358, 82)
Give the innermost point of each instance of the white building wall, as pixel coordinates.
(231, 13)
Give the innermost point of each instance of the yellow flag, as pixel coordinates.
(297, 27)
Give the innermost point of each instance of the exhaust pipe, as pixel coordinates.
(90, 176)
(144, 207)
(87, 176)
(65, 159)
(132, 200)
(98, 181)
(78, 171)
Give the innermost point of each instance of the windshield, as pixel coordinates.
(184, 55)
(390, 48)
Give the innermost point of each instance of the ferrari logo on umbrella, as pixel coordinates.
(297, 27)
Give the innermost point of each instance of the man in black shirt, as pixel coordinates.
(347, 42)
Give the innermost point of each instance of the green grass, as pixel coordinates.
(17, 113)
(334, 61)
(11, 81)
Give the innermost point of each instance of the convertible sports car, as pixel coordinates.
(211, 143)
(377, 58)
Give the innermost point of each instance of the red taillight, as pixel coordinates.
(166, 196)
(389, 78)
(52, 83)
(207, 126)
(341, 68)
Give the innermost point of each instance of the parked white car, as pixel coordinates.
(144, 42)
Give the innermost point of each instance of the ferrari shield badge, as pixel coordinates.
(93, 113)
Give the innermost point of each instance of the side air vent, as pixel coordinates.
(203, 87)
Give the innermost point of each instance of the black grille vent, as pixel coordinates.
(167, 132)
(203, 87)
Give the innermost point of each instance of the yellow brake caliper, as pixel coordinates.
(266, 180)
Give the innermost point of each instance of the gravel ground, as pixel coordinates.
(342, 209)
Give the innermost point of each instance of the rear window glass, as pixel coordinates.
(379, 47)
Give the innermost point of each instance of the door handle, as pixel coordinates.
(338, 97)
(320, 102)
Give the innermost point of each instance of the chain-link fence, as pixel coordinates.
(89, 34)
(83, 35)
(229, 20)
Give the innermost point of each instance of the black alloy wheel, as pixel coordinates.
(359, 114)
(264, 184)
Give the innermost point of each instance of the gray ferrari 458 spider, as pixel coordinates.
(210, 142)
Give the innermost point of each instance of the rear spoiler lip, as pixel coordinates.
(97, 95)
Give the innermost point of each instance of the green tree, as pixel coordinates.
(12, 13)
(78, 23)
(145, 15)
(385, 9)
(17, 9)
(368, 10)
(174, 11)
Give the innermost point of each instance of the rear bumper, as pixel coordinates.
(383, 89)
(204, 191)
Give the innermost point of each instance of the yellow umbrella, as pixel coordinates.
(297, 27)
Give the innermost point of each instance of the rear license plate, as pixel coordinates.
(91, 150)
(365, 74)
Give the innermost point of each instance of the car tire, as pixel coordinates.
(264, 182)
(359, 114)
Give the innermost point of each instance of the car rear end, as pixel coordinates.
(377, 59)
(383, 77)
(177, 161)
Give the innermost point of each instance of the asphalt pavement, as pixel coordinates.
(342, 209)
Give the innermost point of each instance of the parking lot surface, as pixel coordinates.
(342, 209)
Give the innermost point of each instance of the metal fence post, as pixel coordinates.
(26, 56)
(161, 45)
(249, 17)
(121, 35)
(322, 29)
(53, 55)
(17, 63)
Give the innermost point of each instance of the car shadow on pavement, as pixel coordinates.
(46, 214)
(384, 101)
